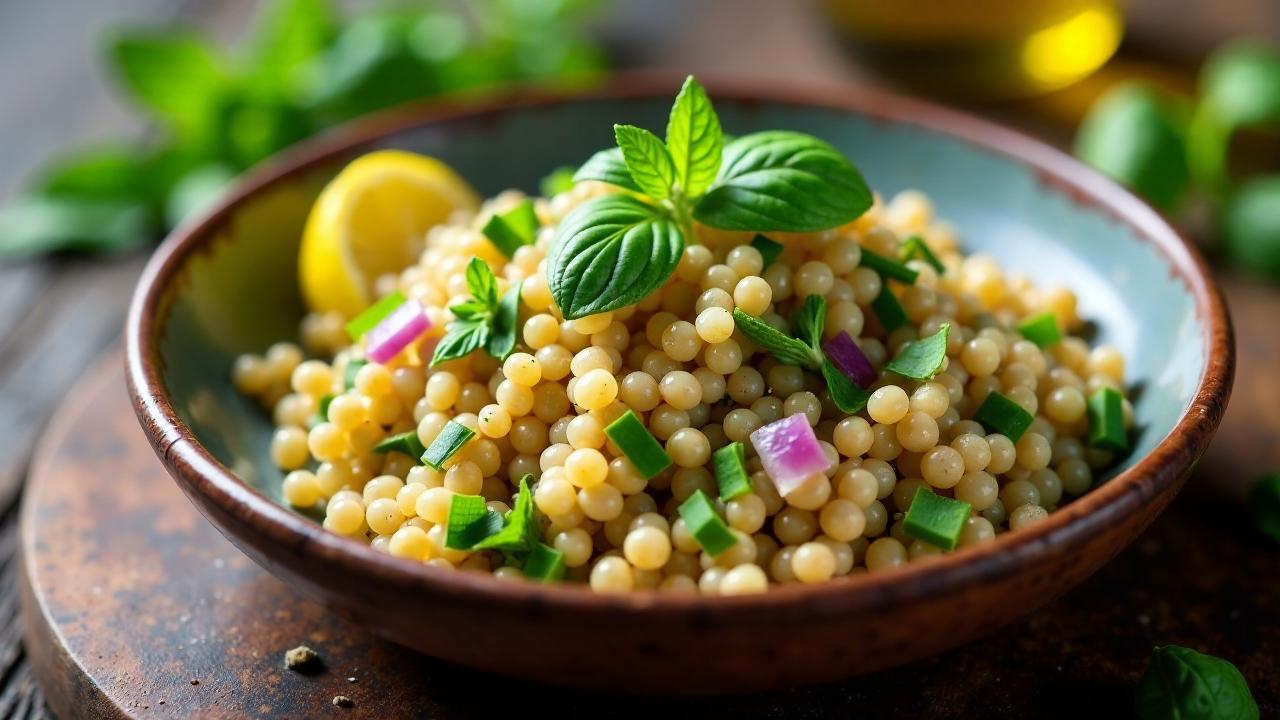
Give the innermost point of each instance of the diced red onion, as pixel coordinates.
(845, 354)
(404, 325)
(790, 452)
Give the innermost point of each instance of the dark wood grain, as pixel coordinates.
(130, 595)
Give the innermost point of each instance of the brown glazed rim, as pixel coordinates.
(1143, 483)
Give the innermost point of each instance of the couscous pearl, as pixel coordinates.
(611, 574)
(601, 502)
(1026, 515)
(345, 517)
(300, 488)
(942, 466)
(596, 389)
(842, 520)
(888, 404)
(917, 431)
(813, 562)
(586, 467)
(410, 542)
(714, 325)
(746, 513)
(383, 516)
(745, 579)
(753, 295)
(647, 548)
(289, 448)
(1003, 454)
(885, 553)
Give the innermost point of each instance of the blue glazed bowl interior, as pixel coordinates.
(240, 294)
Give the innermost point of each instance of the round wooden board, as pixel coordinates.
(135, 606)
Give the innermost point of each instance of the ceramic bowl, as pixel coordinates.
(226, 284)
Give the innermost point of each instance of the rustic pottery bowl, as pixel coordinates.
(226, 284)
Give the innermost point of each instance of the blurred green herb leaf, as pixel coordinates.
(1239, 88)
(303, 68)
(1136, 134)
(1264, 501)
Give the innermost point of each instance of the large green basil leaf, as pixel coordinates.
(608, 166)
(611, 252)
(783, 181)
(694, 138)
(1182, 683)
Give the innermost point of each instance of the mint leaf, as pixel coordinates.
(848, 397)
(502, 334)
(921, 359)
(809, 320)
(647, 159)
(112, 172)
(1136, 134)
(289, 33)
(781, 346)
(199, 190)
(520, 532)
(461, 338)
(481, 282)
(694, 139)
(1183, 683)
(780, 180)
(608, 166)
(611, 252)
(177, 76)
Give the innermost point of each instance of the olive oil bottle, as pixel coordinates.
(982, 48)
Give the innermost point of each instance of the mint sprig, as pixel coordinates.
(484, 321)
(767, 181)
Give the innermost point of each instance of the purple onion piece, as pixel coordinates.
(845, 354)
(790, 452)
(404, 325)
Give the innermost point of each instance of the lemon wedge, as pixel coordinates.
(370, 220)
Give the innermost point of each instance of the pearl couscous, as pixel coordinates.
(677, 361)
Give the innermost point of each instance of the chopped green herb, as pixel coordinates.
(470, 521)
(450, 440)
(888, 268)
(502, 335)
(557, 181)
(1041, 329)
(808, 322)
(406, 443)
(1264, 502)
(1106, 420)
(349, 373)
(374, 314)
(999, 414)
(936, 519)
(784, 348)
(484, 321)
(844, 393)
(921, 359)
(322, 412)
(731, 471)
(513, 229)
(520, 533)
(638, 444)
(915, 248)
(888, 310)
(544, 563)
(705, 525)
(769, 249)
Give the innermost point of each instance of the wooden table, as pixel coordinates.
(56, 316)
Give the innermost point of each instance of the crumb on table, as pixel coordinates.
(302, 659)
(343, 701)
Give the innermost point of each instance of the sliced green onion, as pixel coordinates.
(349, 374)
(888, 310)
(544, 564)
(731, 471)
(1001, 415)
(1041, 329)
(374, 314)
(406, 443)
(638, 444)
(1106, 420)
(513, 229)
(914, 248)
(888, 268)
(935, 519)
(705, 525)
(769, 249)
(520, 531)
(322, 412)
(449, 441)
(470, 521)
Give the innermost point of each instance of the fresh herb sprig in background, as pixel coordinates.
(216, 112)
(615, 250)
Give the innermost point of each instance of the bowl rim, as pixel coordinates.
(1145, 482)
